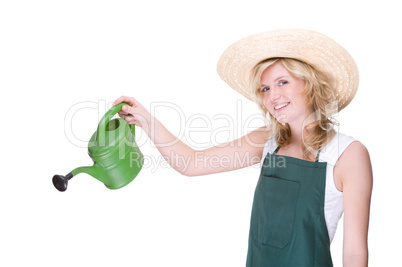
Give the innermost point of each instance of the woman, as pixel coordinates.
(310, 174)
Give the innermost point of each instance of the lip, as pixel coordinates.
(282, 108)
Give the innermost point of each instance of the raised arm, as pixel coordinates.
(355, 172)
(233, 155)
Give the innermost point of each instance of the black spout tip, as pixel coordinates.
(61, 182)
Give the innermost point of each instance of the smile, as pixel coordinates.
(281, 106)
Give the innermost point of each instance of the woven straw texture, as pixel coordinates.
(314, 48)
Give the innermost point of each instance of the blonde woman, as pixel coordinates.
(299, 79)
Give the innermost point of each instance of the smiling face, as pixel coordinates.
(283, 94)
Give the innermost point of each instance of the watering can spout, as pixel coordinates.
(95, 171)
(61, 182)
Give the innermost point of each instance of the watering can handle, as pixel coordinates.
(108, 115)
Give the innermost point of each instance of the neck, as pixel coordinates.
(296, 137)
(298, 131)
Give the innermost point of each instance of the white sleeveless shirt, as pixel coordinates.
(333, 207)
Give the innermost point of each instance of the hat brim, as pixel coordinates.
(313, 48)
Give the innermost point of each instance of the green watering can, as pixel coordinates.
(117, 158)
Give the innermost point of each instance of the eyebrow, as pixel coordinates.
(280, 77)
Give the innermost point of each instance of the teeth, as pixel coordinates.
(281, 106)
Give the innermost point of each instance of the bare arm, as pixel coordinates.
(355, 172)
(236, 154)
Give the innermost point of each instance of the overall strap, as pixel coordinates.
(318, 155)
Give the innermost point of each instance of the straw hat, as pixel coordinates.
(314, 48)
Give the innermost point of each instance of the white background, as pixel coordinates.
(56, 56)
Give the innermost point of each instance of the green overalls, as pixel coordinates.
(288, 226)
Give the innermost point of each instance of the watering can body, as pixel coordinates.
(116, 156)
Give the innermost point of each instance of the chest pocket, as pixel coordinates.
(274, 210)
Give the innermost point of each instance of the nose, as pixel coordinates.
(274, 94)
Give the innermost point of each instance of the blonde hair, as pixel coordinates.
(320, 97)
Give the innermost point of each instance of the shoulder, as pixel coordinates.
(335, 147)
(258, 137)
(354, 165)
(356, 154)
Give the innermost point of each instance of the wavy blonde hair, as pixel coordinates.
(320, 97)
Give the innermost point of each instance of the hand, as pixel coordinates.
(135, 113)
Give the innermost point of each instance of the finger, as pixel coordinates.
(122, 115)
(135, 122)
(130, 119)
(128, 109)
(121, 112)
(129, 100)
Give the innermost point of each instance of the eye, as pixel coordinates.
(264, 89)
(281, 83)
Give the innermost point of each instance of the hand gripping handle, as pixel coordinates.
(106, 118)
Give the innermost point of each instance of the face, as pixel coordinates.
(282, 94)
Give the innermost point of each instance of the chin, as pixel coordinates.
(282, 119)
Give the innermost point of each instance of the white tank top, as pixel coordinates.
(333, 207)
